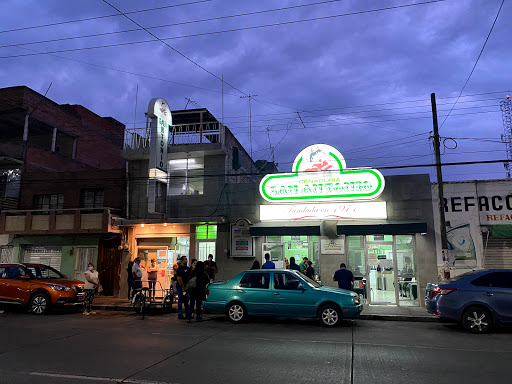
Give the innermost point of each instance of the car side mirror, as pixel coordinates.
(301, 287)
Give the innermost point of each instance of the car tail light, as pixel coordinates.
(207, 292)
(442, 291)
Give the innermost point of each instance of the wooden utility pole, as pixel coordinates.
(444, 240)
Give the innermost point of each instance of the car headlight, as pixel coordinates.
(357, 301)
(59, 288)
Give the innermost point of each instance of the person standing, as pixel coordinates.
(130, 279)
(137, 274)
(92, 283)
(268, 264)
(303, 265)
(182, 276)
(293, 265)
(256, 265)
(344, 277)
(152, 278)
(211, 267)
(197, 293)
(310, 272)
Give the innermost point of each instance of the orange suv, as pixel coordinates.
(38, 286)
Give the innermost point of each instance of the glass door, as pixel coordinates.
(407, 284)
(381, 262)
(276, 254)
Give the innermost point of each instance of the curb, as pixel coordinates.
(419, 319)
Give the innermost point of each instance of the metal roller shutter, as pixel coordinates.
(498, 254)
(48, 255)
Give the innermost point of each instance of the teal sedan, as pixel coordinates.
(280, 293)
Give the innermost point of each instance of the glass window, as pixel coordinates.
(186, 177)
(274, 239)
(496, 279)
(206, 231)
(356, 259)
(286, 281)
(55, 201)
(255, 280)
(92, 198)
(15, 272)
(45, 272)
(373, 238)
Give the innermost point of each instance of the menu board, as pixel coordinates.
(241, 239)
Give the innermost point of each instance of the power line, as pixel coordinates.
(225, 31)
(175, 50)
(476, 62)
(102, 17)
(171, 25)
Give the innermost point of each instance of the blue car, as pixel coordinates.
(280, 293)
(479, 300)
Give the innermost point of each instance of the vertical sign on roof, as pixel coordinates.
(161, 120)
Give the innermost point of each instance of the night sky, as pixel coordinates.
(353, 74)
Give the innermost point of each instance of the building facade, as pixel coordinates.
(62, 181)
(478, 216)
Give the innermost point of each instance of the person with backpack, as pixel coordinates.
(196, 290)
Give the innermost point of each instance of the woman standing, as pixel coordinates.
(310, 272)
(198, 293)
(256, 265)
(92, 283)
(131, 288)
(152, 278)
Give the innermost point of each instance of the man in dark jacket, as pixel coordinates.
(293, 265)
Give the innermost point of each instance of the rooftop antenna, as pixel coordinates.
(190, 101)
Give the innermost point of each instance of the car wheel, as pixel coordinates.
(167, 304)
(39, 304)
(329, 315)
(477, 320)
(236, 312)
(137, 302)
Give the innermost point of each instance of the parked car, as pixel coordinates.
(479, 300)
(39, 287)
(280, 293)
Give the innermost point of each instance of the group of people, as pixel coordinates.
(306, 266)
(190, 282)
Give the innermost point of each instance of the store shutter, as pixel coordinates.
(48, 255)
(498, 252)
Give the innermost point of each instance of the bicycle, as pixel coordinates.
(142, 301)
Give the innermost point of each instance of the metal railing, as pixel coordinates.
(182, 134)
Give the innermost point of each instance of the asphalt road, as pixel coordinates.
(112, 347)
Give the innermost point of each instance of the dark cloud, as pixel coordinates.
(341, 74)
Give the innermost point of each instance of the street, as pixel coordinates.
(121, 347)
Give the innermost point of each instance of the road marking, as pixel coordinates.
(96, 378)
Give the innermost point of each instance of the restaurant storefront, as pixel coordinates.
(381, 228)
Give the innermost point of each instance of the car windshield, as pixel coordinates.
(310, 282)
(45, 272)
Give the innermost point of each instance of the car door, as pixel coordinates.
(292, 296)
(16, 287)
(500, 294)
(254, 291)
(3, 283)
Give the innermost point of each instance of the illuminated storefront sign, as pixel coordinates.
(329, 211)
(320, 174)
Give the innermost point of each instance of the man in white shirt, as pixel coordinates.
(137, 274)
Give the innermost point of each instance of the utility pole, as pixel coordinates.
(444, 240)
(249, 96)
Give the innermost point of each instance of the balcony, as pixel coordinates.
(61, 221)
(182, 138)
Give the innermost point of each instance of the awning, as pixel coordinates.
(312, 228)
(381, 228)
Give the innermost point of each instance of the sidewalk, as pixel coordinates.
(370, 312)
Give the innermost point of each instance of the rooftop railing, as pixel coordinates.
(181, 134)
